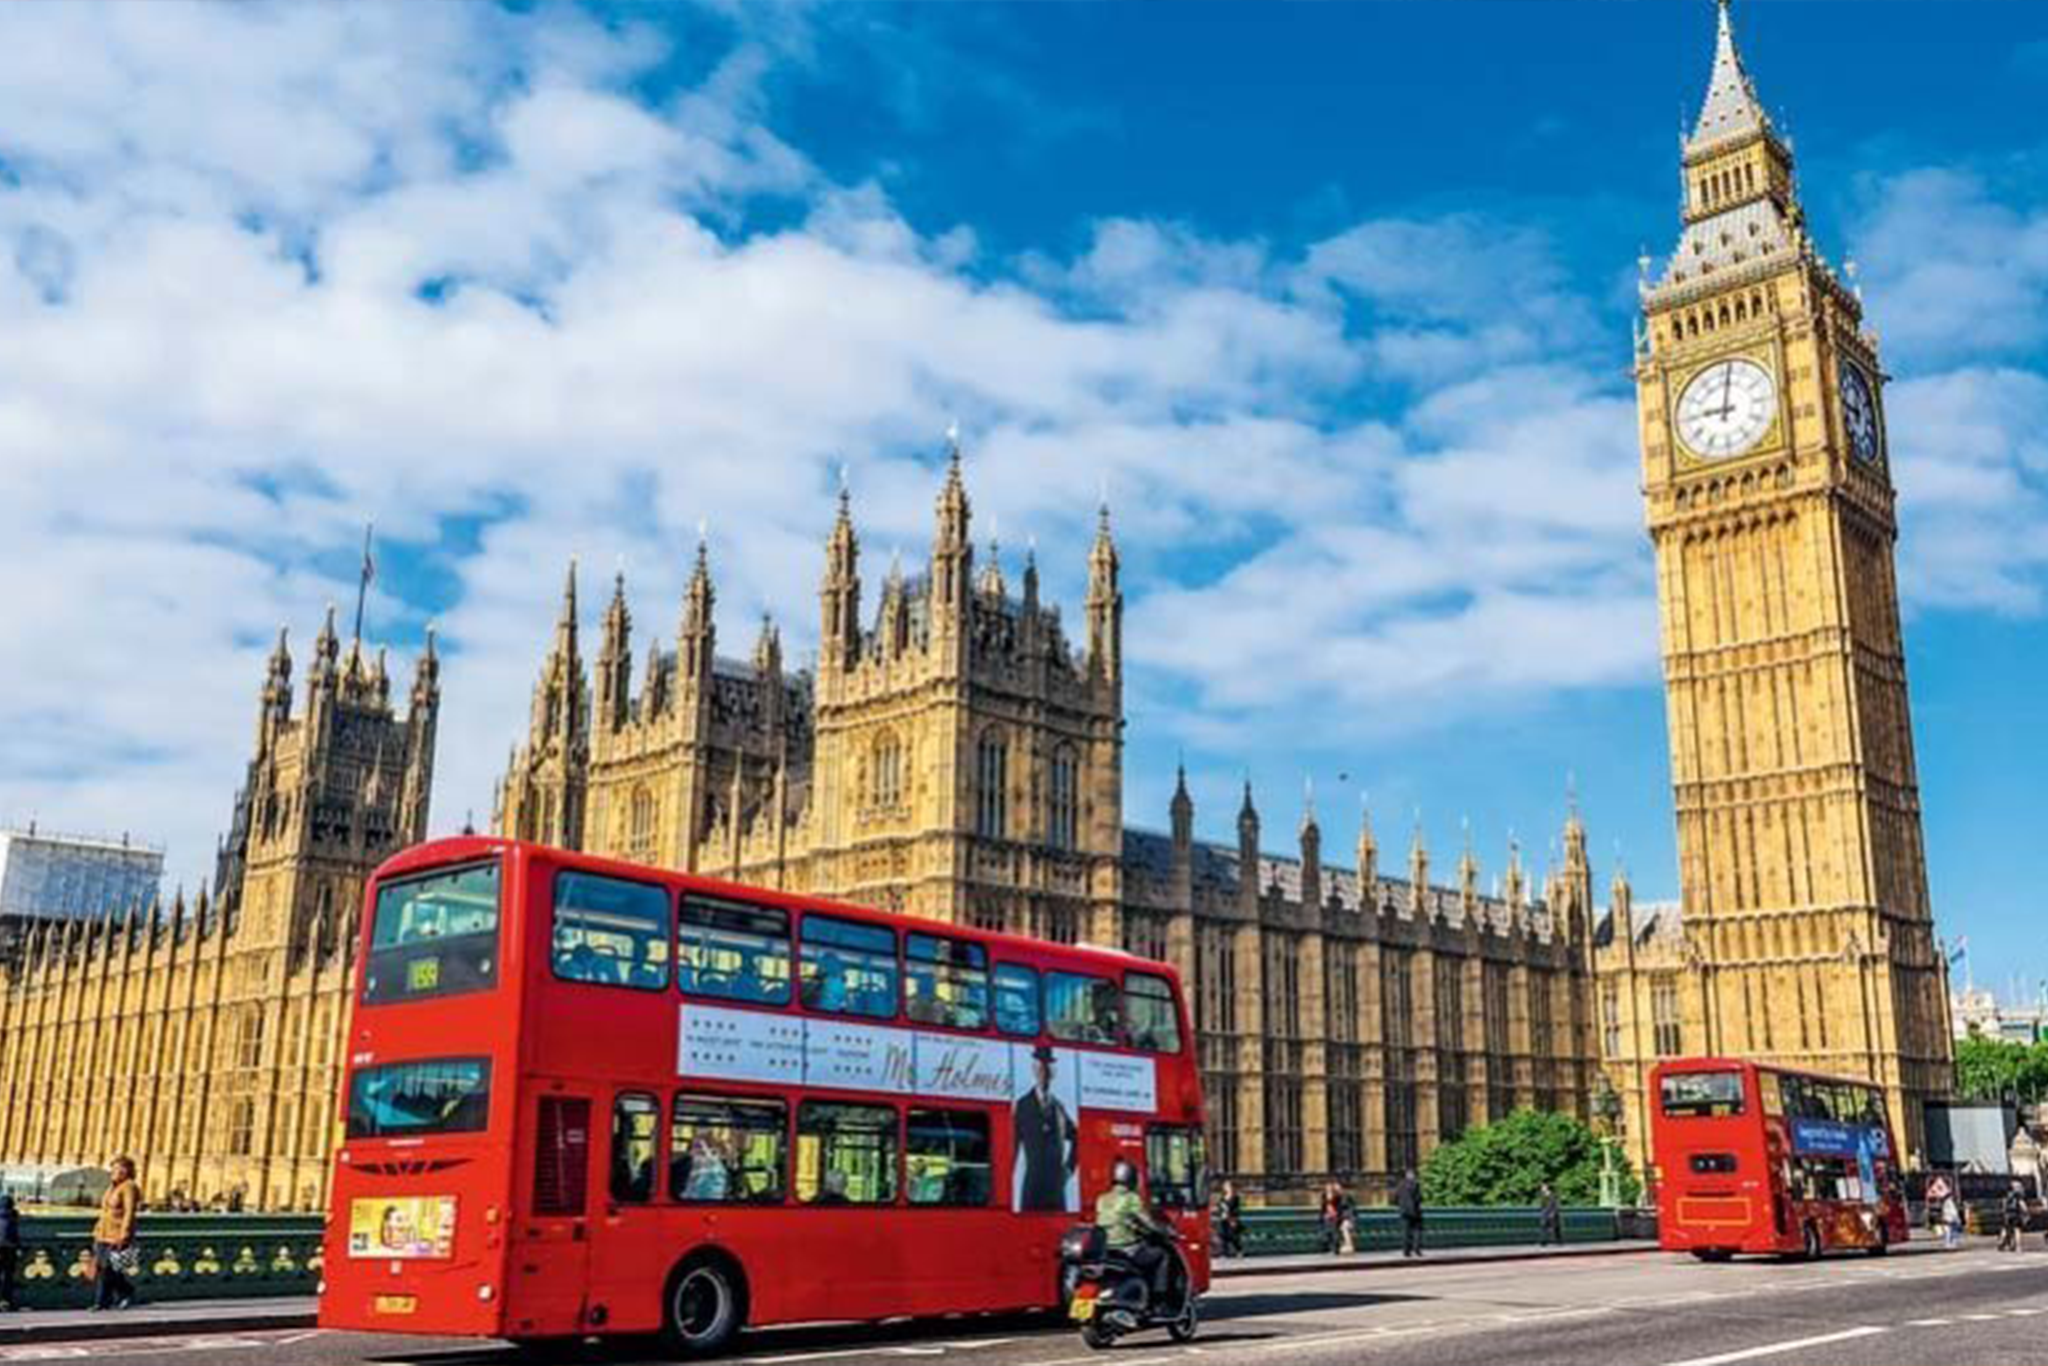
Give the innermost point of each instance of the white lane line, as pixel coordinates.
(1928, 1323)
(2025, 1313)
(1976, 1318)
(1775, 1348)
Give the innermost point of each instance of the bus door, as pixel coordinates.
(550, 1259)
(626, 1242)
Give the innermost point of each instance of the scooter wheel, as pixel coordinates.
(1098, 1335)
(1183, 1328)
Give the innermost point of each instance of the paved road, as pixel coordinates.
(1921, 1306)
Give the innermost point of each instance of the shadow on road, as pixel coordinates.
(1218, 1309)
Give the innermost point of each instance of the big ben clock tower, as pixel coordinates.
(1771, 510)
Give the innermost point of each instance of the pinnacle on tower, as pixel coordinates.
(1731, 107)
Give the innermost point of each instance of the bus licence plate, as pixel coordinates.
(395, 1304)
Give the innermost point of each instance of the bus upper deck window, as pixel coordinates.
(734, 951)
(1083, 1009)
(610, 931)
(1017, 1010)
(849, 968)
(946, 982)
(1149, 1011)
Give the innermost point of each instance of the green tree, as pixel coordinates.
(1995, 1069)
(1503, 1164)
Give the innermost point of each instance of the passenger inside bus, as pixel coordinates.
(709, 1171)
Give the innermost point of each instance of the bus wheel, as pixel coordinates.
(1811, 1240)
(704, 1307)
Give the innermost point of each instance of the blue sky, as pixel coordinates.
(1333, 300)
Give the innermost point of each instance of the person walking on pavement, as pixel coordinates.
(1333, 1218)
(1408, 1201)
(1951, 1222)
(1229, 1216)
(2012, 1218)
(113, 1238)
(1549, 1217)
(10, 1250)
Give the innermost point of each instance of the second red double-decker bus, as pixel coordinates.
(1758, 1159)
(585, 1097)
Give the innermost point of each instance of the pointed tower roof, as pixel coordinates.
(1731, 108)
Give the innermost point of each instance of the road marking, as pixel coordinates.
(1775, 1348)
(1928, 1323)
(1976, 1318)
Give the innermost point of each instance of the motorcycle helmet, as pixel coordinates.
(1124, 1173)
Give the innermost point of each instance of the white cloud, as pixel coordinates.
(266, 272)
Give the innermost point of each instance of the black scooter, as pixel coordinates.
(1109, 1297)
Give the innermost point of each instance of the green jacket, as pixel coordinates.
(1123, 1218)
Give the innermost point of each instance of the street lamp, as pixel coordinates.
(1607, 1109)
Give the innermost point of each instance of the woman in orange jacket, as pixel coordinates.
(113, 1237)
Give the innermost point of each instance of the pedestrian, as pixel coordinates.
(1937, 1191)
(2012, 1218)
(1951, 1222)
(1550, 1218)
(1408, 1201)
(10, 1250)
(1348, 1222)
(115, 1255)
(1229, 1217)
(1333, 1218)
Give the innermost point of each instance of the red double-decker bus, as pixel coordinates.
(1759, 1159)
(585, 1097)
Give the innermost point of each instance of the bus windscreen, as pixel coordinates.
(1702, 1094)
(435, 935)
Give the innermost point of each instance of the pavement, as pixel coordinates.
(1920, 1305)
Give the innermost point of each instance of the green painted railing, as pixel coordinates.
(184, 1257)
(1272, 1232)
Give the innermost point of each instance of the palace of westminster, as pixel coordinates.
(954, 754)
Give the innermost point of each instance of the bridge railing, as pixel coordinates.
(184, 1257)
(1272, 1232)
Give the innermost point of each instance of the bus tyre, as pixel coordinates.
(1811, 1240)
(704, 1307)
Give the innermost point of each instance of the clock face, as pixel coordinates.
(1726, 408)
(1859, 413)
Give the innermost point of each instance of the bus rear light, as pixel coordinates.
(485, 1292)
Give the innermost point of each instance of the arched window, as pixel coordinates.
(992, 776)
(640, 843)
(1065, 825)
(885, 770)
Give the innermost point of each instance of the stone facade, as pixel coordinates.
(954, 756)
(206, 1040)
(1807, 936)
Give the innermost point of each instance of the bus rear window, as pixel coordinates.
(434, 936)
(406, 1099)
(1702, 1094)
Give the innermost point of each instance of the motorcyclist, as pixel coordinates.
(1131, 1230)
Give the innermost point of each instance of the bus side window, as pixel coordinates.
(845, 1154)
(1017, 1010)
(946, 982)
(610, 931)
(729, 1151)
(947, 1158)
(1083, 1009)
(1148, 1006)
(734, 951)
(848, 968)
(636, 1122)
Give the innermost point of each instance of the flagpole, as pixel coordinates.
(369, 572)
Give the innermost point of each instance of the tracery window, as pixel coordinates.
(1065, 826)
(992, 775)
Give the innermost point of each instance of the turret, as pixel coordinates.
(275, 708)
(1368, 854)
(1182, 810)
(952, 554)
(615, 661)
(768, 676)
(1311, 837)
(1248, 847)
(697, 637)
(1105, 606)
(839, 595)
(1418, 870)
